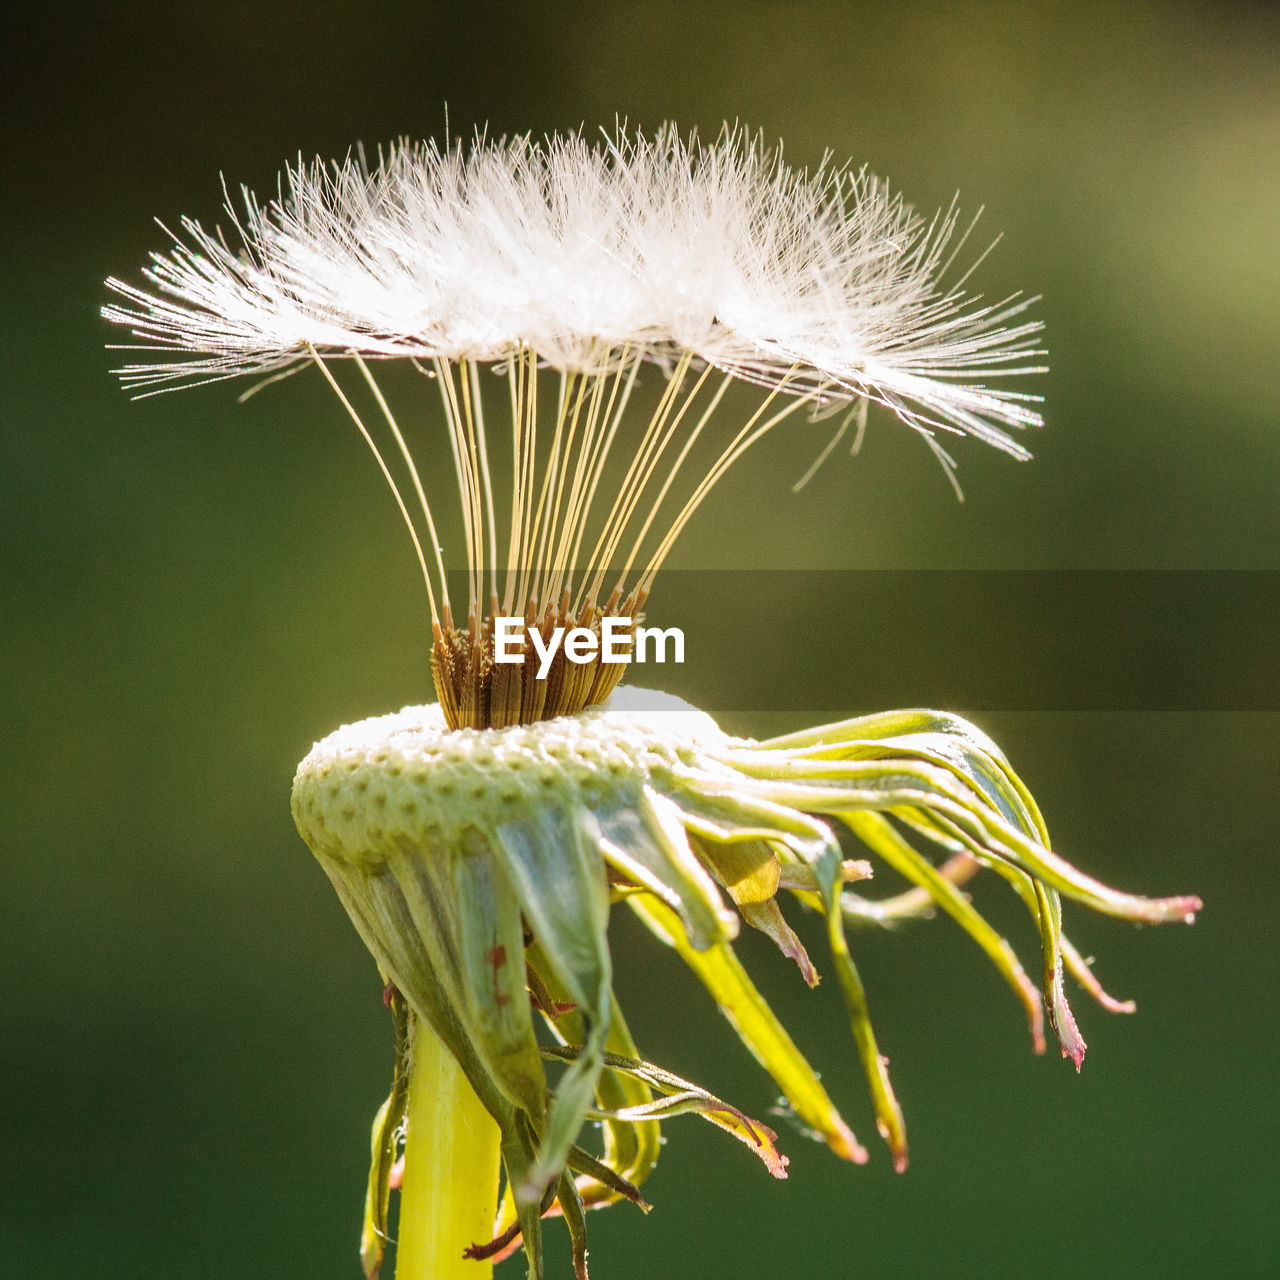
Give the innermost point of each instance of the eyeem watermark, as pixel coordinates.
(619, 640)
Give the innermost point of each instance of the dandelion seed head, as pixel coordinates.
(480, 844)
(586, 261)
(664, 244)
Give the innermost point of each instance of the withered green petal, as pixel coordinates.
(682, 1097)
(644, 838)
(571, 1207)
(490, 943)
(549, 857)
(876, 1067)
(387, 1125)
(879, 835)
(631, 1149)
(767, 917)
(377, 905)
(753, 1020)
(1079, 969)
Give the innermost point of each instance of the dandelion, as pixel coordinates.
(479, 844)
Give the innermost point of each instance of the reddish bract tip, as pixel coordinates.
(846, 1146)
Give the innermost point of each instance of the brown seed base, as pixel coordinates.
(475, 692)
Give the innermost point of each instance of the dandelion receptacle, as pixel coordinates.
(481, 843)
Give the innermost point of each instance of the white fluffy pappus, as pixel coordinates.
(819, 283)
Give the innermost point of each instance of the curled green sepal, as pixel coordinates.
(631, 1150)
(388, 1124)
(645, 839)
(756, 1024)
(551, 861)
(682, 1097)
(575, 1219)
(875, 1065)
(879, 834)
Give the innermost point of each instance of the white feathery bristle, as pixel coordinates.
(820, 281)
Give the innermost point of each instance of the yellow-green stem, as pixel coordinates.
(450, 1193)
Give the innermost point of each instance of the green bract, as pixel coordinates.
(480, 867)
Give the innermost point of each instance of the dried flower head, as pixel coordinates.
(479, 844)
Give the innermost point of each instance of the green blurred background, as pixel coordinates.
(191, 1039)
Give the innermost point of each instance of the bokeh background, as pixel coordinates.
(191, 591)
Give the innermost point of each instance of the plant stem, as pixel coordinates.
(450, 1192)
